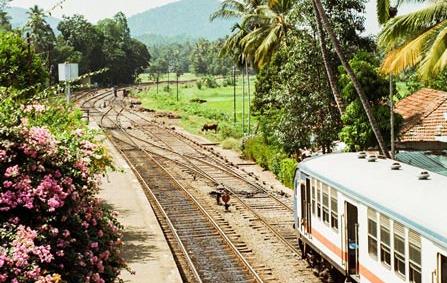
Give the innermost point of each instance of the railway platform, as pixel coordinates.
(145, 247)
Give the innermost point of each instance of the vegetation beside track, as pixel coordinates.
(216, 107)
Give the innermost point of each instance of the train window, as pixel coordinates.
(325, 204)
(334, 209)
(385, 250)
(443, 268)
(399, 248)
(319, 200)
(314, 184)
(414, 240)
(372, 233)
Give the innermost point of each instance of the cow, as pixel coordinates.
(208, 127)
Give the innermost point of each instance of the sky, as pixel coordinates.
(95, 10)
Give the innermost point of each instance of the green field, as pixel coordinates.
(218, 108)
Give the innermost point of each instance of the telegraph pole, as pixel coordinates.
(177, 84)
(234, 94)
(243, 102)
(249, 102)
(392, 117)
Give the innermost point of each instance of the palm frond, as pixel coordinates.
(408, 55)
(383, 11)
(433, 61)
(229, 9)
(409, 26)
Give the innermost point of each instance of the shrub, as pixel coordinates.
(270, 157)
(288, 168)
(231, 143)
(53, 227)
(199, 84)
(19, 68)
(210, 82)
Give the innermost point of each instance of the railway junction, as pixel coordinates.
(179, 175)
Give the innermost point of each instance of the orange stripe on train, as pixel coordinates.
(336, 250)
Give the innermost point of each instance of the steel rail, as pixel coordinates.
(195, 201)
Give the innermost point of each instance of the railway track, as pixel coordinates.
(151, 149)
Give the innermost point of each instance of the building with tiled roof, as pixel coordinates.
(425, 120)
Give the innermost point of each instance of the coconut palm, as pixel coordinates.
(417, 39)
(268, 26)
(330, 73)
(318, 6)
(41, 33)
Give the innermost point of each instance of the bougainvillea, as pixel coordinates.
(53, 227)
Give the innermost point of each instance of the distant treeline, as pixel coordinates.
(107, 44)
(201, 57)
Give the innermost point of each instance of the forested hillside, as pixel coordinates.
(188, 18)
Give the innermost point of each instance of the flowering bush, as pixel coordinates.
(53, 228)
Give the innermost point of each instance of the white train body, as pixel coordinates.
(372, 223)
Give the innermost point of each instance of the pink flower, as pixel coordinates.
(7, 184)
(94, 245)
(12, 171)
(54, 203)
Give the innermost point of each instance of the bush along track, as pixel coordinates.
(53, 227)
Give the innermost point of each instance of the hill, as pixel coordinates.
(160, 40)
(185, 18)
(19, 18)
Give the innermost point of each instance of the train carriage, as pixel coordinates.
(372, 219)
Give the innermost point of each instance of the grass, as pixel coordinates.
(218, 108)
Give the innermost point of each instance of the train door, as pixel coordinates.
(305, 205)
(352, 239)
(442, 269)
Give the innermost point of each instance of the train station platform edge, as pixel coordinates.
(145, 247)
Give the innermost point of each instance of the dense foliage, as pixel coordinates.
(201, 57)
(20, 68)
(357, 133)
(107, 45)
(292, 92)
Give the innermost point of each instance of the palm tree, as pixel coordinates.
(330, 73)
(363, 98)
(417, 39)
(41, 33)
(269, 26)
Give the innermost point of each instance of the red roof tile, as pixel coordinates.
(425, 115)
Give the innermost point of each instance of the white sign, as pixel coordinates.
(68, 72)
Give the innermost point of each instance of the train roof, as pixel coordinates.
(418, 204)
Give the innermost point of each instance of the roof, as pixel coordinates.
(417, 204)
(423, 113)
(431, 162)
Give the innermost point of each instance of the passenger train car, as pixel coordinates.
(374, 220)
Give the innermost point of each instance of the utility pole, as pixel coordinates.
(249, 101)
(243, 102)
(392, 117)
(177, 84)
(234, 94)
(158, 80)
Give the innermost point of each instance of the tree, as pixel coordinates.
(40, 33)
(84, 38)
(356, 132)
(118, 47)
(20, 67)
(5, 24)
(417, 40)
(268, 25)
(341, 55)
(295, 99)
